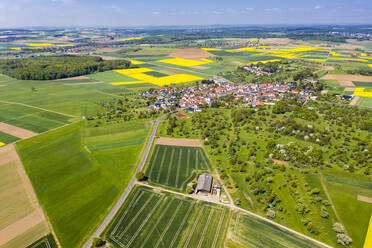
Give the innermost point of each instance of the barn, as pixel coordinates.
(204, 183)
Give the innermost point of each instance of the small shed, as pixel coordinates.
(204, 183)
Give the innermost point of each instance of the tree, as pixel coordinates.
(343, 239)
(98, 242)
(140, 176)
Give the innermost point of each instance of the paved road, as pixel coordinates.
(124, 196)
(133, 182)
(232, 206)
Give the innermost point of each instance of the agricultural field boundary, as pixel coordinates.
(129, 188)
(44, 241)
(232, 206)
(47, 110)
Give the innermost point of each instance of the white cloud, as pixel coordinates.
(249, 9)
(273, 9)
(156, 13)
(317, 7)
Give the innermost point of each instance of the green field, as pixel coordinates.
(247, 232)
(175, 166)
(45, 242)
(365, 102)
(7, 138)
(79, 171)
(154, 219)
(344, 189)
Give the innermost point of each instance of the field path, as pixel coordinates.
(125, 194)
(47, 110)
(232, 206)
(329, 199)
(133, 182)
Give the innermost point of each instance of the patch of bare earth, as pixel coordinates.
(364, 199)
(355, 100)
(109, 58)
(34, 214)
(324, 92)
(73, 78)
(179, 142)
(83, 83)
(347, 80)
(280, 162)
(2, 85)
(169, 72)
(191, 53)
(21, 226)
(200, 67)
(108, 50)
(16, 131)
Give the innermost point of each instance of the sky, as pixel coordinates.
(56, 13)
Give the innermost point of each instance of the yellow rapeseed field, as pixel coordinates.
(363, 54)
(139, 74)
(131, 38)
(370, 65)
(265, 61)
(2, 144)
(368, 240)
(361, 92)
(39, 44)
(144, 45)
(185, 62)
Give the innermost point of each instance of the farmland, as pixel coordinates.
(45, 242)
(157, 219)
(22, 221)
(245, 231)
(78, 171)
(175, 166)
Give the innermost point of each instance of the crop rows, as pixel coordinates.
(45, 242)
(251, 232)
(174, 165)
(150, 219)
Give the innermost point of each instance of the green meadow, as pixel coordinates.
(79, 171)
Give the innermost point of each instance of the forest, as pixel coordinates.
(57, 67)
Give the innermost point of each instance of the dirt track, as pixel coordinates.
(355, 100)
(98, 82)
(179, 142)
(16, 131)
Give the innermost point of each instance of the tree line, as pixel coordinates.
(57, 67)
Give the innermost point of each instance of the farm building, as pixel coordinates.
(204, 183)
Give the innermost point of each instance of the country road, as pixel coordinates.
(133, 182)
(125, 194)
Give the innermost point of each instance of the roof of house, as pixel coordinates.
(204, 182)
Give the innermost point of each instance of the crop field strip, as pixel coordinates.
(173, 222)
(45, 242)
(252, 232)
(173, 166)
(30, 119)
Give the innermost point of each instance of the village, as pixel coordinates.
(209, 92)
